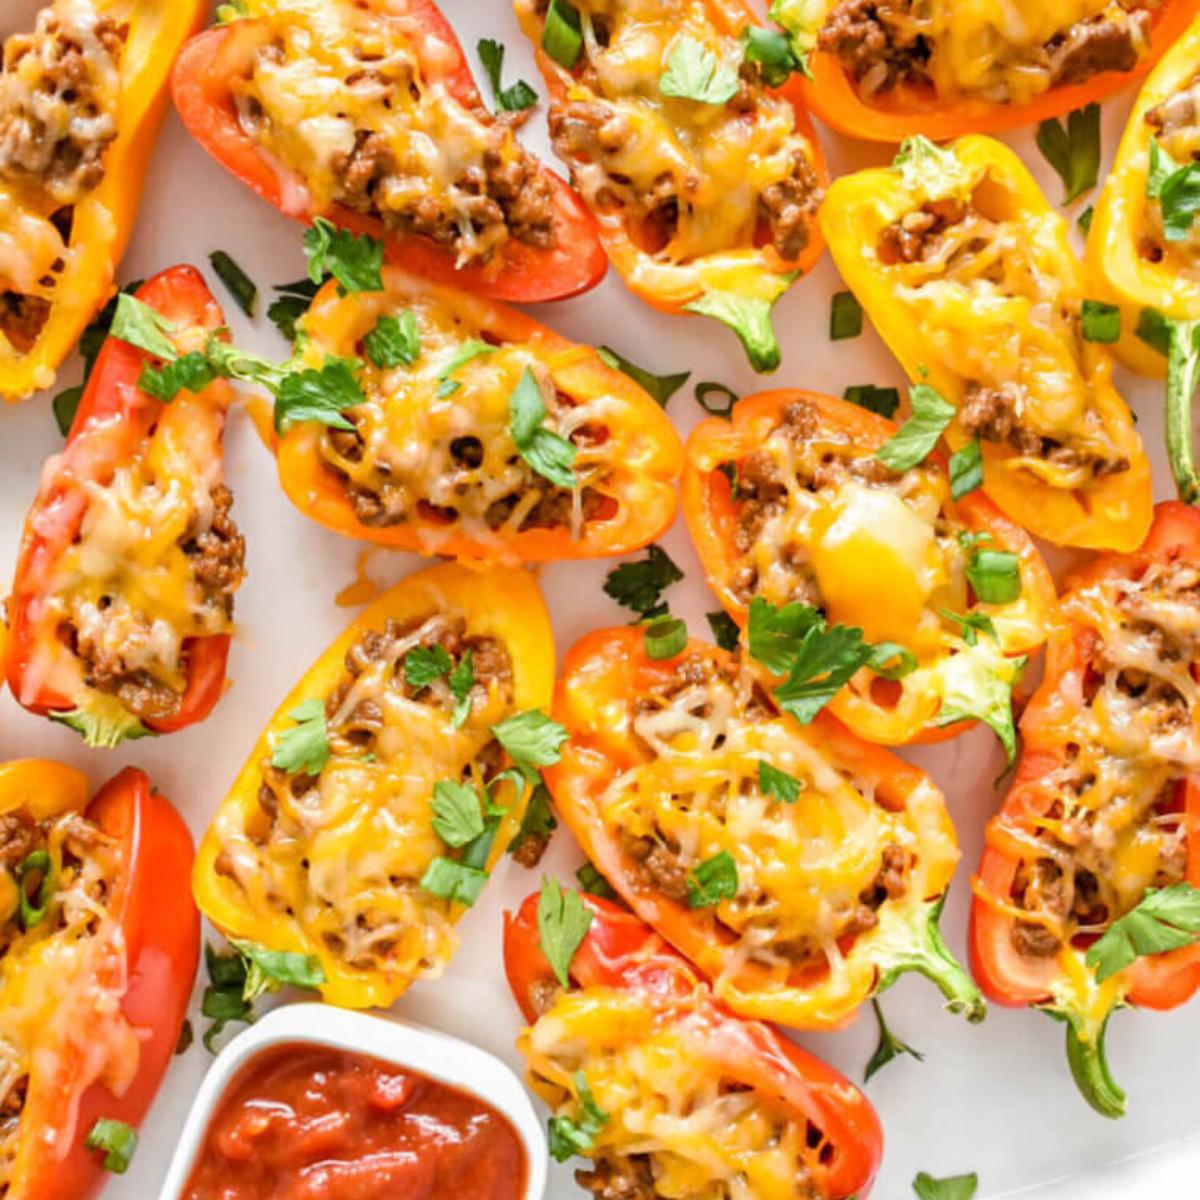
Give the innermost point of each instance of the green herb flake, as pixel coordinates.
(750, 318)
(845, 317)
(725, 630)
(774, 782)
(304, 748)
(424, 664)
(995, 576)
(771, 50)
(355, 262)
(395, 341)
(142, 326)
(462, 685)
(239, 285)
(916, 438)
(957, 1187)
(563, 922)
(293, 302)
(531, 739)
(659, 387)
(722, 408)
(1073, 151)
(1100, 322)
(695, 73)
(971, 625)
(568, 1136)
(639, 585)
(881, 400)
(516, 98)
(457, 813)
(890, 660)
(321, 396)
(1154, 329)
(537, 822)
(1084, 220)
(593, 883)
(713, 880)
(453, 881)
(193, 373)
(1165, 919)
(39, 867)
(547, 453)
(966, 469)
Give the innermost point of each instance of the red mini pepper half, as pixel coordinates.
(202, 87)
(1096, 788)
(84, 533)
(86, 1062)
(621, 954)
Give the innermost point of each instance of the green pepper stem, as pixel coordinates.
(1089, 1065)
(1183, 376)
(927, 954)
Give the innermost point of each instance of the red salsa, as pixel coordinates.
(305, 1122)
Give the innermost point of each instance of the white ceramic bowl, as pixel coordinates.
(446, 1059)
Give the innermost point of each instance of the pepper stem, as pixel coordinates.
(1088, 1061)
(926, 953)
(1183, 376)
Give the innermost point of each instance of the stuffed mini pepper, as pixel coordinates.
(660, 1087)
(82, 97)
(121, 610)
(1086, 898)
(388, 784)
(969, 276)
(688, 142)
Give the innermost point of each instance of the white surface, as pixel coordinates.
(997, 1098)
(426, 1051)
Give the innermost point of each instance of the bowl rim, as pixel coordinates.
(438, 1055)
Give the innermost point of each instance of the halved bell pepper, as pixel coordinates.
(432, 465)
(705, 194)
(101, 947)
(943, 84)
(635, 1005)
(213, 66)
(1105, 804)
(327, 844)
(71, 252)
(121, 607)
(832, 883)
(969, 276)
(786, 501)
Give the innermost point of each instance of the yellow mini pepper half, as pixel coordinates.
(969, 276)
(58, 262)
(381, 793)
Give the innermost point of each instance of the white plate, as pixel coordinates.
(996, 1098)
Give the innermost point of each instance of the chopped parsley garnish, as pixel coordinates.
(193, 373)
(240, 286)
(142, 326)
(531, 739)
(1154, 329)
(355, 262)
(563, 922)
(395, 341)
(304, 748)
(1073, 151)
(1177, 190)
(695, 73)
(660, 387)
(772, 50)
(721, 408)
(569, 1137)
(957, 1187)
(469, 351)
(457, 812)
(639, 585)
(725, 630)
(549, 454)
(713, 880)
(538, 820)
(65, 405)
(774, 782)
(972, 625)
(666, 636)
(118, 1141)
(454, 881)
(321, 396)
(994, 576)
(1100, 322)
(1165, 919)
(888, 1047)
(293, 302)
(424, 664)
(881, 400)
(562, 35)
(966, 469)
(516, 98)
(845, 317)
(890, 660)
(592, 882)
(462, 683)
(912, 443)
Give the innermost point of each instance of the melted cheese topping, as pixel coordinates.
(61, 985)
(803, 868)
(340, 862)
(333, 73)
(672, 1096)
(995, 303)
(38, 111)
(716, 160)
(1122, 753)
(423, 442)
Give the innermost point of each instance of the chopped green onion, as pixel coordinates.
(995, 576)
(708, 388)
(117, 1140)
(845, 317)
(38, 862)
(241, 287)
(1100, 322)
(562, 35)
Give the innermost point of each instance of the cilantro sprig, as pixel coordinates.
(639, 585)
(1165, 919)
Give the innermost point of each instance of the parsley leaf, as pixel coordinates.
(888, 1047)
(881, 400)
(913, 441)
(774, 782)
(355, 262)
(695, 73)
(1165, 919)
(563, 922)
(971, 625)
(548, 453)
(957, 1187)
(977, 686)
(306, 747)
(469, 351)
(462, 683)
(639, 585)
(826, 659)
(660, 387)
(293, 302)
(268, 970)
(457, 814)
(454, 881)
(724, 630)
(142, 326)
(713, 880)
(1073, 152)
(772, 50)
(193, 372)
(537, 822)
(772, 632)
(750, 318)
(966, 469)
(424, 664)
(511, 99)
(395, 341)
(241, 287)
(568, 1137)
(321, 396)
(531, 738)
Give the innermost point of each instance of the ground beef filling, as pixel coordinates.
(880, 45)
(593, 129)
(388, 500)
(502, 195)
(217, 557)
(56, 118)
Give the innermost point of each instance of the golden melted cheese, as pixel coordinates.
(413, 422)
(670, 1094)
(332, 73)
(341, 862)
